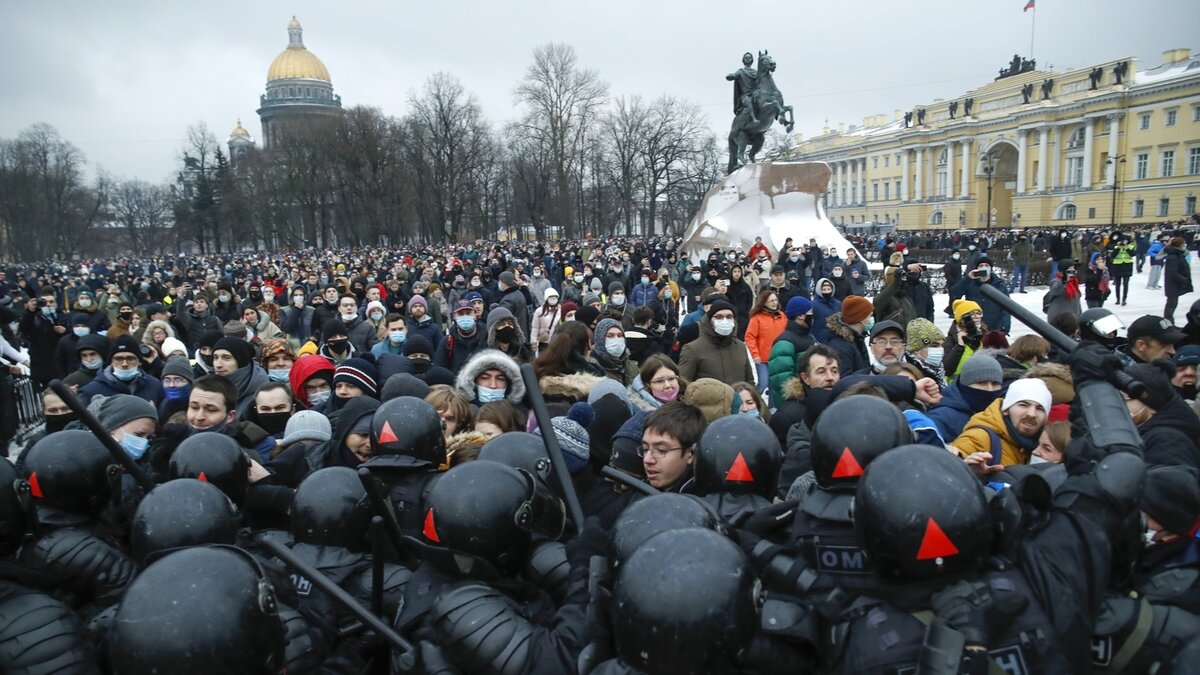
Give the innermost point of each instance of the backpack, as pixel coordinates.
(995, 449)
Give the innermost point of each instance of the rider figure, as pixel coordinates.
(744, 81)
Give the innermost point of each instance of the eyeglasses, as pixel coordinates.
(888, 343)
(173, 381)
(124, 359)
(658, 453)
(664, 381)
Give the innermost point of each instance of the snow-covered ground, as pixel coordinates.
(1141, 301)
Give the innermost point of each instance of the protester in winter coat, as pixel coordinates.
(825, 305)
(1064, 293)
(847, 330)
(968, 287)
(1167, 425)
(124, 375)
(1177, 276)
(767, 321)
(1012, 427)
(544, 322)
(488, 376)
(717, 353)
(978, 385)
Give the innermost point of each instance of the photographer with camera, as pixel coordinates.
(970, 288)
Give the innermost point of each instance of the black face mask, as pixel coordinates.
(206, 358)
(419, 366)
(55, 423)
(506, 334)
(274, 423)
(126, 315)
(338, 346)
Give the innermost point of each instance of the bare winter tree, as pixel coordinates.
(144, 213)
(625, 129)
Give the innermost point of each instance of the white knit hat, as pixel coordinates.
(308, 425)
(1027, 389)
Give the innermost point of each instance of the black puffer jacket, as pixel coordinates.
(1169, 435)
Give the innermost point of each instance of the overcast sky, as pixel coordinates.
(123, 80)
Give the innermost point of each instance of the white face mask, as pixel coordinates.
(1034, 459)
(618, 300)
(933, 355)
(614, 346)
(723, 326)
(552, 300)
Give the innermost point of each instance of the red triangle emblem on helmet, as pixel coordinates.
(935, 543)
(847, 466)
(386, 435)
(430, 530)
(34, 488)
(202, 477)
(739, 472)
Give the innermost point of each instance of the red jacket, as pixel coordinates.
(759, 248)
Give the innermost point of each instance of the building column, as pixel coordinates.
(1020, 162)
(965, 187)
(1114, 130)
(1056, 163)
(950, 170)
(918, 192)
(1089, 130)
(1043, 141)
(843, 186)
(903, 196)
(862, 182)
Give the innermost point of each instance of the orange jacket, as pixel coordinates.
(761, 333)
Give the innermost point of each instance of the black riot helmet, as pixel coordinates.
(656, 514)
(850, 434)
(330, 508)
(1100, 325)
(213, 611)
(686, 603)
(213, 458)
(489, 511)
(181, 513)
(519, 450)
(737, 454)
(14, 511)
(408, 426)
(68, 471)
(920, 513)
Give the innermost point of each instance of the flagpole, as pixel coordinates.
(1032, 28)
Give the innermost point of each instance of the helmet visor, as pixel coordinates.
(542, 513)
(1107, 325)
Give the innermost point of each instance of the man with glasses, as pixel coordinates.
(668, 447)
(360, 333)
(124, 375)
(887, 345)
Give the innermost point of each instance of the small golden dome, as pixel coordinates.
(296, 61)
(239, 130)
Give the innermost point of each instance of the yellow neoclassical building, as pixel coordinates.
(1043, 148)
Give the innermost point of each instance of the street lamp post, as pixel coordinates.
(1115, 163)
(990, 169)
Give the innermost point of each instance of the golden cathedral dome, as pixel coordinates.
(296, 61)
(239, 131)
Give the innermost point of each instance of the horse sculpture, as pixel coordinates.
(751, 124)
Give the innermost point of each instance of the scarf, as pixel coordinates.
(1024, 442)
(1072, 286)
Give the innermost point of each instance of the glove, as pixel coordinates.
(593, 540)
(1091, 362)
(963, 606)
(767, 521)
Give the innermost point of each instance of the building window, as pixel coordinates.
(897, 189)
(1164, 206)
(1168, 163)
(1194, 161)
(1092, 212)
(1189, 206)
(1141, 168)
(1196, 113)
(1139, 208)
(887, 190)
(1074, 171)
(1144, 121)
(1077, 138)
(1066, 212)
(874, 162)
(1171, 118)
(936, 219)
(874, 192)
(886, 160)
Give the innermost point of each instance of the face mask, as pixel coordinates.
(578, 278)
(667, 396)
(475, 284)
(55, 423)
(177, 393)
(489, 395)
(615, 346)
(506, 334)
(695, 276)
(934, 356)
(273, 423)
(319, 398)
(667, 293)
(278, 374)
(537, 275)
(135, 446)
(376, 316)
(751, 413)
(465, 323)
(80, 331)
(913, 276)
(956, 256)
(869, 324)
(47, 311)
(826, 294)
(298, 301)
(348, 317)
(125, 375)
(618, 300)
(223, 298)
(268, 297)
(552, 300)
(338, 346)
(837, 273)
(645, 280)
(370, 280)
(723, 326)
(92, 364)
(85, 302)
(1034, 459)
(397, 337)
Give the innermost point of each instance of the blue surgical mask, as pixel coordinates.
(135, 446)
(278, 374)
(319, 398)
(125, 374)
(47, 311)
(177, 393)
(489, 395)
(465, 323)
(751, 413)
(869, 324)
(614, 346)
(397, 337)
(92, 364)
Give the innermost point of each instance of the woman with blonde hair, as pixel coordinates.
(454, 410)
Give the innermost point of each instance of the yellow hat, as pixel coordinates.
(964, 307)
(568, 271)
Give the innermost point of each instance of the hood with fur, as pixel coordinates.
(483, 360)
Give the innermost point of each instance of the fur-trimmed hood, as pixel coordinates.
(483, 360)
(148, 335)
(835, 326)
(572, 386)
(793, 389)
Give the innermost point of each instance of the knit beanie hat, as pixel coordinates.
(235, 329)
(1157, 378)
(1028, 389)
(615, 287)
(609, 412)
(210, 338)
(272, 346)
(1172, 497)
(716, 306)
(125, 344)
(117, 411)
(994, 339)
(602, 327)
(797, 306)
(572, 435)
(171, 345)
(178, 366)
(605, 387)
(586, 315)
(922, 333)
(306, 425)
(417, 300)
(241, 350)
(589, 299)
(980, 368)
(625, 445)
(403, 384)
(360, 373)
(418, 344)
(333, 327)
(962, 308)
(507, 278)
(713, 397)
(856, 309)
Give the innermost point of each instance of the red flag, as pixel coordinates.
(739, 472)
(1028, 6)
(847, 466)
(935, 544)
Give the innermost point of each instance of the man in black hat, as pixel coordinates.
(1186, 360)
(887, 346)
(1152, 337)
